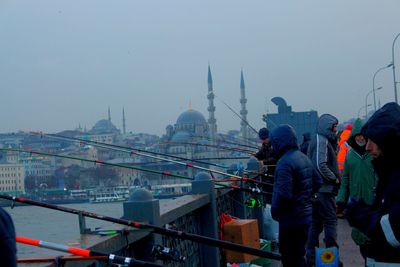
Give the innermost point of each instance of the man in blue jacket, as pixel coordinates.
(296, 180)
(8, 250)
(381, 220)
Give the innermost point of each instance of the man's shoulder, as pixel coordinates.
(6, 224)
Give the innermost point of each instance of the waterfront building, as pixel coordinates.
(12, 177)
(39, 170)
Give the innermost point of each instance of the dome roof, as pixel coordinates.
(181, 136)
(103, 126)
(191, 117)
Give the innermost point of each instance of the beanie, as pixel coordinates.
(263, 133)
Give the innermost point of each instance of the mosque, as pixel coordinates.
(192, 136)
(190, 131)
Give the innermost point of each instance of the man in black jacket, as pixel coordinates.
(267, 161)
(381, 221)
(296, 180)
(8, 250)
(264, 155)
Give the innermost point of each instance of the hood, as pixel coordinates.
(283, 138)
(325, 124)
(355, 131)
(344, 136)
(383, 128)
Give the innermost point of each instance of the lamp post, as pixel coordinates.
(394, 72)
(366, 99)
(358, 114)
(373, 81)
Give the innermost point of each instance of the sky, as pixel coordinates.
(64, 63)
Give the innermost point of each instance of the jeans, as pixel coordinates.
(323, 219)
(292, 245)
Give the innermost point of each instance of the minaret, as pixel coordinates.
(211, 108)
(123, 121)
(243, 112)
(109, 114)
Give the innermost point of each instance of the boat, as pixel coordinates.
(108, 194)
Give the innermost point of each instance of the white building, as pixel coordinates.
(12, 177)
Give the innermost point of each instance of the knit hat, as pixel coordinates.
(263, 133)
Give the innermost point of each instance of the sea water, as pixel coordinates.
(56, 226)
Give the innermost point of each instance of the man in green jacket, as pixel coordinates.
(358, 180)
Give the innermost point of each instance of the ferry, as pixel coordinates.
(109, 194)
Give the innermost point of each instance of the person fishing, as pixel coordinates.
(296, 181)
(267, 161)
(264, 155)
(8, 248)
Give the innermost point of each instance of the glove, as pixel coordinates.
(362, 216)
(340, 206)
(355, 211)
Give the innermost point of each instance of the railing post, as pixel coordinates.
(239, 209)
(82, 224)
(142, 207)
(202, 184)
(254, 165)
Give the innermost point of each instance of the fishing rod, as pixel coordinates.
(220, 158)
(111, 258)
(165, 173)
(250, 152)
(222, 140)
(61, 259)
(238, 144)
(241, 138)
(123, 147)
(133, 152)
(237, 180)
(156, 229)
(231, 109)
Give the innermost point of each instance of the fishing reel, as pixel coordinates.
(165, 254)
(253, 203)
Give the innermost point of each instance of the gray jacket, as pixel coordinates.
(323, 151)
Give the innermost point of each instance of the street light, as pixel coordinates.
(373, 81)
(366, 99)
(358, 114)
(393, 67)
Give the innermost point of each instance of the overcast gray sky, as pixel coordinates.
(63, 63)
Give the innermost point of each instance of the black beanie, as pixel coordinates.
(384, 128)
(263, 133)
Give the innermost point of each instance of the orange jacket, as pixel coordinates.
(343, 147)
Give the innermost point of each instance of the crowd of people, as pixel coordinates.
(353, 175)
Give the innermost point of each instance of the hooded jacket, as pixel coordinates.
(381, 221)
(295, 179)
(8, 249)
(323, 151)
(358, 178)
(343, 147)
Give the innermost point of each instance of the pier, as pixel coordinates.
(195, 213)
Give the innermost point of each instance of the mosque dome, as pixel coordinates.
(191, 117)
(181, 136)
(104, 127)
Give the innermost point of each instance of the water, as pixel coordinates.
(56, 226)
